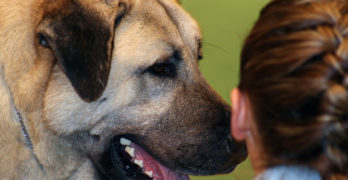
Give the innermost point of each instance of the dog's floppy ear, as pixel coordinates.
(82, 44)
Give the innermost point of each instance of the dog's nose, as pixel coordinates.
(236, 150)
(235, 147)
(230, 145)
(223, 126)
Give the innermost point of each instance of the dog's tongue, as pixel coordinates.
(159, 171)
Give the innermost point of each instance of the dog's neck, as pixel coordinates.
(14, 152)
(75, 170)
(28, 142)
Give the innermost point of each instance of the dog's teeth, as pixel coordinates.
(140, 163)
(149, 173)
(130, 151)
(125, 142)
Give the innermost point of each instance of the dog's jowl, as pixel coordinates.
(107, 89)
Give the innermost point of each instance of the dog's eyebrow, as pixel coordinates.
(175, 54)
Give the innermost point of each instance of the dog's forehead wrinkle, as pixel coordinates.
(187, 26)
(157, 19)
(150, 52)
(143, 39)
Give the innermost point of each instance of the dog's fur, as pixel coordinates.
(80, 72)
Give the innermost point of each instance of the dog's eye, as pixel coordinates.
(200, 54)
(163, 70)
(42, 40)
(200, 50)
(167, 68)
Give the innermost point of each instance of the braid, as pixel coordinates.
(295, 69)
(334, 106)
(334, 117)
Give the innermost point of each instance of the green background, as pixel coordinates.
(225, 24)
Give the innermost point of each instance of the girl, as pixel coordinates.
(291, 106)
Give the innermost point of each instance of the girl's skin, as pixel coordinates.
(244, 129)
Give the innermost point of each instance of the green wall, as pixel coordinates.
(225, 24)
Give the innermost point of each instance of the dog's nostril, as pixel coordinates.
(229, 142)
(233, 146)
(228, 146)
(230, 138)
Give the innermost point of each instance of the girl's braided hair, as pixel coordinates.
(295, 70)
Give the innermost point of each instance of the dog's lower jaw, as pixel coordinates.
(125, 160)
(106, 165)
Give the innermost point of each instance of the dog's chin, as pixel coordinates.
(126, 160)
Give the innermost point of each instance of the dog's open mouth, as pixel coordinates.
(136, 163)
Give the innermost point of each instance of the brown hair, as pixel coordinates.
(295, 70)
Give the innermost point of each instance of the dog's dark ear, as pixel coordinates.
(82, 44)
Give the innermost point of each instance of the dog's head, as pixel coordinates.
(125, 81)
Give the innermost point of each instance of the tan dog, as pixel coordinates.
(107, 89)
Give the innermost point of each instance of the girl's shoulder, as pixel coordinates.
(289, 173)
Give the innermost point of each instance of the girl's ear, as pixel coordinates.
(240, 125)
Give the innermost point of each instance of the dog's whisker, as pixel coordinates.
(218, 47)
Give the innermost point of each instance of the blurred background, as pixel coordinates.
(225, 24)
